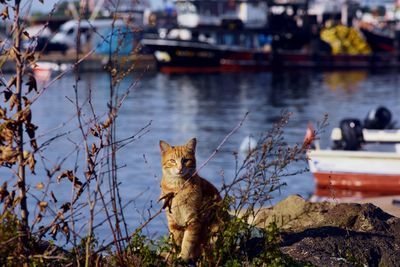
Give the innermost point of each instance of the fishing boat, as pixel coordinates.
(213, 36)
(363, 158)
(209, 50)
(247, 35)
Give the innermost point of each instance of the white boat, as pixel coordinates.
(373, 167)
(43, 69)
(356, 170)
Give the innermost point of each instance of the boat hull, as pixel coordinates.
(379, 42)
(362, 182)
(184, 56)
(377, 172)
(177, 56)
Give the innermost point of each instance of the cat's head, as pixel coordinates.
(178, 161)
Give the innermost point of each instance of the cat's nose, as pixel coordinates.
(180, 168)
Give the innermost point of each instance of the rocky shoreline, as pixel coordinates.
(334, 234)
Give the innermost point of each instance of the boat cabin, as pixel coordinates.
(253, 14)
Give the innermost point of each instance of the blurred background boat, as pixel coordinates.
(43, 70)
(258, 35)
(212, 36)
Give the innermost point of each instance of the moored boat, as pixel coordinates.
(213, 36)
(43, 70)
(174, 55)
(246, 35)
(356, 170)
(210, 49)
(361, 159)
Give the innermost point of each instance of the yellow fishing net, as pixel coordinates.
(345, 40)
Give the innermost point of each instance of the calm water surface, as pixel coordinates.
(207, 107)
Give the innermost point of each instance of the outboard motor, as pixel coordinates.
(352, 136)
(379, 119)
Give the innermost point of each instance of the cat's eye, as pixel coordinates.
(172, 161)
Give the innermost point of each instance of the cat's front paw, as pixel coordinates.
(167, 198)
(187, 261)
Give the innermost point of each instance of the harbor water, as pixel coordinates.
(208, 107)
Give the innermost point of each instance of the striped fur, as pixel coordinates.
(192, 217)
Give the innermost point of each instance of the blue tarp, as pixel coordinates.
(121, 40)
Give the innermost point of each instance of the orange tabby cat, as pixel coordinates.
(192, 210)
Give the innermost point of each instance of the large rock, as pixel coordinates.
(330, 234)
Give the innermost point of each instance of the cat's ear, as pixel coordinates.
(164, 146)
(191, 144)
